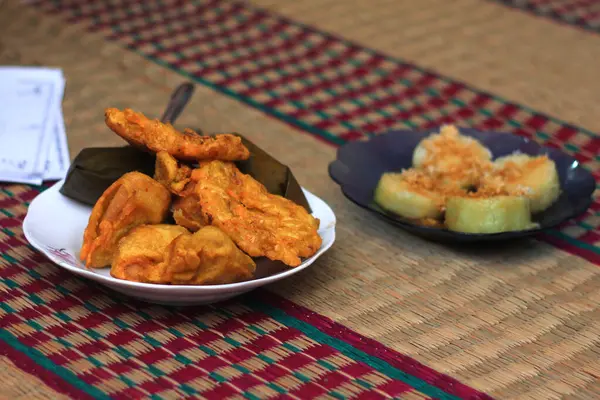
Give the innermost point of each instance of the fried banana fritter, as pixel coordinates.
(170, 173)
(141, 251)
(169, 254)
(260, 223)
(132, 200)
(156, 136)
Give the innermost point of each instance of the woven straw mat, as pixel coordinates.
(513, 321)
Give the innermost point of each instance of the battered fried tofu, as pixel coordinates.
(260, 223)
(142, 250)
(169, 254)
(170, 173)
(156, 136)
(134, 199)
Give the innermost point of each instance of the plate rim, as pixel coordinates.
(230, 287)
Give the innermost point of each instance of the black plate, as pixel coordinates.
(359, 165)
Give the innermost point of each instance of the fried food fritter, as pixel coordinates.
(454, 158)
(132, 200)
(155, 136)
(170, 173)
(260, 223)
(187, 212)
(141, 251)
(207, 257)
(169, 254)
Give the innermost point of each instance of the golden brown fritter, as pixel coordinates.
(207, 257)
(169, 254)
(170, 173)
(132, 200)
(187, 212)
(260, 223)
(141, 251)
(156, 136)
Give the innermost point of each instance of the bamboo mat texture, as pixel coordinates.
(383, 314)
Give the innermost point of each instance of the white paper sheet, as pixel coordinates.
(33, 145)
(57, 159)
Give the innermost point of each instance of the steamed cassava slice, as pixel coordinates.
(410, 194)
(471, 214)
(454, 158)
(535, 177)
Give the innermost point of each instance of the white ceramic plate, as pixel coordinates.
(54, 225)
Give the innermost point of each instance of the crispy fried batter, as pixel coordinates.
(170, 173)
(207, 257)
(187, 212)
(155, 136)
(141, 251)
(260, 223)
(169, 254)
(134, 199)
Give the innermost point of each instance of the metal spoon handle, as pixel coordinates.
(177, 102)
